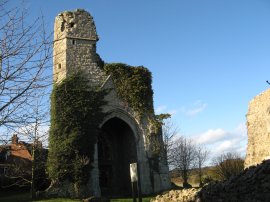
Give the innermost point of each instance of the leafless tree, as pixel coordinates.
(169, 132)
(25, 59)
(36, 134)
(25, 53)
(228, 165)
(201, 156)
(183, 157)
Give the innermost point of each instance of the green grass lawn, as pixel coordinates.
(25, 197)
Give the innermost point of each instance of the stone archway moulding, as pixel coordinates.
(128, 119)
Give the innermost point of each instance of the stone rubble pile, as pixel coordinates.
(185, 195)
(251, 185)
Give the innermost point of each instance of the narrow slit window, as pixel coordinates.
(59, 66)
(73, 42)
(62, 26)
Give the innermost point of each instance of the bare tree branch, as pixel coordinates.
(169, 132)
(228, 165)
(183, 157)
(25, 59)
(25, 56)
(201, 155)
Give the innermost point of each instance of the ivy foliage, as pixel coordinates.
(76, 112)
(133, 85)
(161, 117)
(157, 124)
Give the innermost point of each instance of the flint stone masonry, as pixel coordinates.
(185, 195)
(75, 47)
(251, 185)
(75, 40)
(258, 126)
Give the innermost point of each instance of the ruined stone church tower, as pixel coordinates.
(124, 137)
(258, 126)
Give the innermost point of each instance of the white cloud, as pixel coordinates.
(211, 136)
(226, 146)
(194, 109)
(237, 145)
(219, 141)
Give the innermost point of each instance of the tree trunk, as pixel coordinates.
(200, 177)
(185, 179)
(33, 174)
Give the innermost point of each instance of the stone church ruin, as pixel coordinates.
(129, 131)
(258, 126)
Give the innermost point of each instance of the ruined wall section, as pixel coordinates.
(75, 47)
(116, 107)
(258, 126)
(59, 60)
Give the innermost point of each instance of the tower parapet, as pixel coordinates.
(75, 40)
(75, 24)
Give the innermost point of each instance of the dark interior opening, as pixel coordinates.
(71, 24)
(116, 150)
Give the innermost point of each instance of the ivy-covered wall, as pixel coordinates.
(76, 112)
(133, 86)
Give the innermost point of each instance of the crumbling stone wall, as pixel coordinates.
(184, 195)
(75, 41)
(251, 185)
(75, 47)
(258, 126)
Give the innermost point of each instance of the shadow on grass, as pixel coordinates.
(15, 197)
(25, 197)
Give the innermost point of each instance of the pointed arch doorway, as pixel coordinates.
(116, 150)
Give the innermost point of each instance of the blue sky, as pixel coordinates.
(209, 58)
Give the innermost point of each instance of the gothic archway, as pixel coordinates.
(116, 150)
